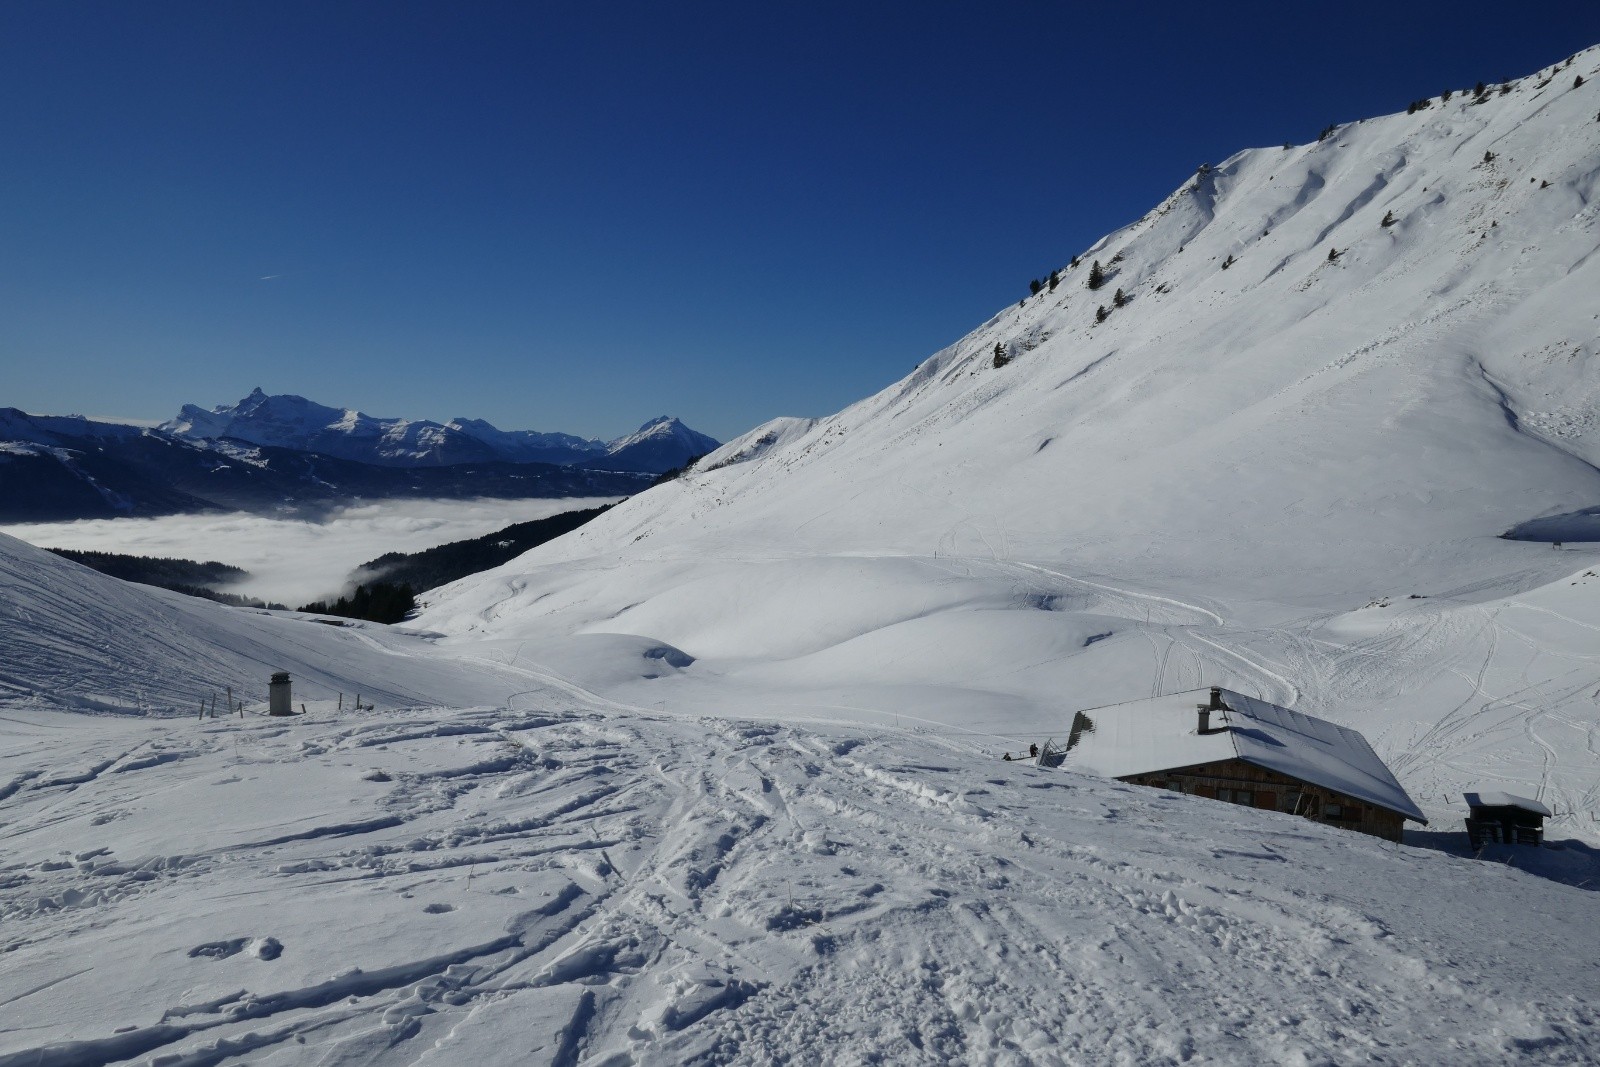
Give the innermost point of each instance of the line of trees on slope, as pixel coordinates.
(385, 602)
(187, 576)
(443, 564)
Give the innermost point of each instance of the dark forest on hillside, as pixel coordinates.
(438, 566)
(185, 576)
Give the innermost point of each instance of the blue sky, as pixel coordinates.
(566, 216)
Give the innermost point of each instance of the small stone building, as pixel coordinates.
(1224, 745)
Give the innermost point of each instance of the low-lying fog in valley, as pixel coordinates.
(292, 561)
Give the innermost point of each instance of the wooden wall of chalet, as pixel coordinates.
(1239, 782)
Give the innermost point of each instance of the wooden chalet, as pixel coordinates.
(1242, 750)
(1504, 819)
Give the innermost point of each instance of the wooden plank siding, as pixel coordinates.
(1244, 783)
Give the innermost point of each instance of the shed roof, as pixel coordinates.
(1490, 798)
(1162, 734)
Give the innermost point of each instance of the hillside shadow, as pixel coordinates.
(1581, 525)
(1569, 862)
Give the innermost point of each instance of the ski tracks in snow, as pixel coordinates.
(551, 886)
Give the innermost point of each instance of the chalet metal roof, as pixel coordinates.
(1489, 798)
(1162, 734)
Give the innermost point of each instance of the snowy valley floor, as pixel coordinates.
(573, 884)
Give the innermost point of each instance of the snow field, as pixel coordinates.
(573, 886)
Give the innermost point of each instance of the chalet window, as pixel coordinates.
(1237, 796)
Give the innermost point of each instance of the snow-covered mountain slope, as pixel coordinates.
(73, 638)
(1337, 372)
(288, 421)
(600, 885)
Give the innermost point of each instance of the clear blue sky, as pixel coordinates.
(576, 216)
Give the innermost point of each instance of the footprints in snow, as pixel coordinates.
(262, 948)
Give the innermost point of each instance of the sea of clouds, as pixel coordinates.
(292, 561)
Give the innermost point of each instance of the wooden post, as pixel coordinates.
(202, 707)
(341, 701)
(302, 709)
(230, 700)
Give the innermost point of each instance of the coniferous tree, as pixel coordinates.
(1055, 280)
(1100, 314)
(1034, 287)
(1388, 219)
(1333, 254)
(1227, 262)
(1097, 275)
(1119, 299)
(381, 602)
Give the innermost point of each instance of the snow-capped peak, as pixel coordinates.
(664, 443)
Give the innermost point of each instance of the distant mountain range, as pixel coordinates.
(290, 455)
(288, 421)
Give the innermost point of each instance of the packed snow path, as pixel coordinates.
(569, 886)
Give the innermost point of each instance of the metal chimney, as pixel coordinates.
(278, 695)
(1205, 710)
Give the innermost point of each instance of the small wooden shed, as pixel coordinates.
(1504, 819)
(1224, 745)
